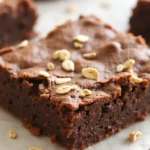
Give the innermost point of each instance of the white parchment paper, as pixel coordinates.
(52, 13)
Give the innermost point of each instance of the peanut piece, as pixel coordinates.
(12, 134)
(68, 65)
(90, 73)
(62, 80)
(81, 38)
(89, 55)
(50, 66)
(136, 80)
(44, 74)
(85, 92)
(65, 89)
(23, 44)
(134, 135)
(77, 45)
(61, 54)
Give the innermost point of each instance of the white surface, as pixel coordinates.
(53, 13)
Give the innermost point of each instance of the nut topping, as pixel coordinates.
(129, 63)
(46, 91)
(90, 73)
(74, 87)
(130, 70)
(134, 135)
(56, 54)
(64, 55)
(44, 74)
(62, 80)
(50, 66)
(85, 92)
(136, 80)
(127, 66)
(65, 89)
(23, 44)
(61, 54)
(68, 65)
(77, 45)
(89, 55)
(12, 134)
(81, 38)
(120, 68)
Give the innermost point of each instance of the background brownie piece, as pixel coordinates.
(17, 18)
(29, 86)
(140, 20)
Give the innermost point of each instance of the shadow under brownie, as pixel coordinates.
(82, 83)
(17, 18)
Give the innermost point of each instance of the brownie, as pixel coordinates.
(17, 18)
(140, 20)
(82, 83)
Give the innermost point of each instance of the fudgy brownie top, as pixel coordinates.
(80, 62)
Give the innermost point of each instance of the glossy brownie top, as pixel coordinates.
(81, 62)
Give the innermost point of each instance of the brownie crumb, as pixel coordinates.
(53, 139)
(12, 134)
(105, 4)
(71, 8)
(134, 135)
(35, 148)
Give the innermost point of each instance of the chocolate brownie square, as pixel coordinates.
(82, 83)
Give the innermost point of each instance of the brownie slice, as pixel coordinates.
(140, 20)
(17, 18)
(82, 83)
